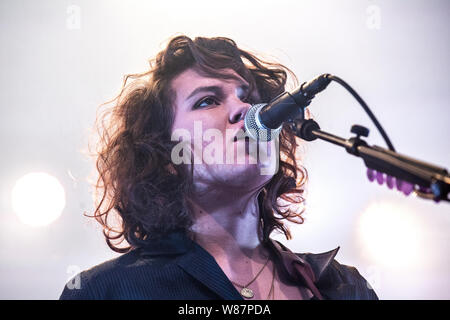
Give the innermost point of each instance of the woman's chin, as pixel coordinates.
(236, 175)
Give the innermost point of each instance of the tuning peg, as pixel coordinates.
(371, 174)
(424, 189)
(404, 187)
(380, 177)
(390, 181)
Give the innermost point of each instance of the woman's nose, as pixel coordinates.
(239, 113)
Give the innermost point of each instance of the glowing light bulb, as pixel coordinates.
(391, 235)
(38, 199)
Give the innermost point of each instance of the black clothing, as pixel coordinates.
(178, 268)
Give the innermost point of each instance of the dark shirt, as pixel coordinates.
(177, 268)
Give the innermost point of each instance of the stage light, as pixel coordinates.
(38, 199)
(391, 235)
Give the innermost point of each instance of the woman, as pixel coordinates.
(201, 229)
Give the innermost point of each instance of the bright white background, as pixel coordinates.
(61, 59)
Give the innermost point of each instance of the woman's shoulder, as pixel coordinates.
(101, 280)
(83, 285)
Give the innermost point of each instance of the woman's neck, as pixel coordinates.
(227, 225)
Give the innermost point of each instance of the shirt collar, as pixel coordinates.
(314, 263)
(174, 243)
(304, 267)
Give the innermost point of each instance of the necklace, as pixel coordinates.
(246, 292)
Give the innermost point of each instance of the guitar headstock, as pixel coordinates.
(402, 186)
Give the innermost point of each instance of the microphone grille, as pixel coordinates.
(254, 128)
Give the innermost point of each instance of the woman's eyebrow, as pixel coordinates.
(216, 89)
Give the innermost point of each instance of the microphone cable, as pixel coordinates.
(365, 107)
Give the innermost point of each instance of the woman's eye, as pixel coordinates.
(206, 102)
(247, 98)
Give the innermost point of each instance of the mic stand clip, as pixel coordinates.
(425, 180)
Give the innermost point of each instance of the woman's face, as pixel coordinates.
(210, 112)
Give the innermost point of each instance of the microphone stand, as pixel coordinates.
(425, 180)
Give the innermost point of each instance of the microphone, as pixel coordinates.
(264, 121)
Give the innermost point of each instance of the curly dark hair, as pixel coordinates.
(137, 182)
